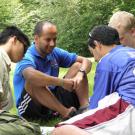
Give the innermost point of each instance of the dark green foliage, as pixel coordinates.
(74, 18)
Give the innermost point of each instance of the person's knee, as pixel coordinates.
(73, 70)
(62, 130)
(68, 130)
(76, 65)
(56, 131)
(33, 91)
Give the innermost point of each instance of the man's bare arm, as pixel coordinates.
(85, 63)
(85, 67)
(39, 79)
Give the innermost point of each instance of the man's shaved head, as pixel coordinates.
(45, 35)
(43, 26)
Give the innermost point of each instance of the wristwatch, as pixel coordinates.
(82, 71)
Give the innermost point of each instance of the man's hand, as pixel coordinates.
(77, 80)
(68, 84)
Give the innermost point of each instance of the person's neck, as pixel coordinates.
(6, 48)
(43, 55)
(107, 49)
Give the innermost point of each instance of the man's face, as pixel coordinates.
(17, 52)
(126, 37)
(96, 53)
(47, 40)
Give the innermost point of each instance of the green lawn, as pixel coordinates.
(62, 72)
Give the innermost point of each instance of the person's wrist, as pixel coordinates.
(62, 83)
(81, 70)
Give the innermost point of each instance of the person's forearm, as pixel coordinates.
(86, 65)
(38, 78)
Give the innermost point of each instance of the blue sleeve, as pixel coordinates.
(103, 86)
(126, 87)
(23, 64)
(65, 58)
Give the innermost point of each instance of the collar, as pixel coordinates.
(6, 58)
(35, 52)
(114, 49)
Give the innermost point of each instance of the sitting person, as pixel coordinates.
(112, 106)
(13, 44)
(38, 90)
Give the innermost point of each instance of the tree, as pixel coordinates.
(74, 18)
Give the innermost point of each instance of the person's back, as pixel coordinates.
(6, 99)
(118, 65)
(13, 44)
(115, 67)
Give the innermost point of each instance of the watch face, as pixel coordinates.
(82, 70)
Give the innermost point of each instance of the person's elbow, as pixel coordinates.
(30, 76)
(88, 63)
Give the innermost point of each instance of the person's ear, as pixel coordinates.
(13, 40)
(97, 44)
(36, 38)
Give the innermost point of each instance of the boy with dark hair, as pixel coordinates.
(103, 35)
(12, 31)
(112, 106)
(13, 44)
(114, 60)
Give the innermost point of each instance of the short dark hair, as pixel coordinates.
(104, 34)
(11, 31)
(39, 26)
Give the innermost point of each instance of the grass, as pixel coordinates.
(62, 73)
